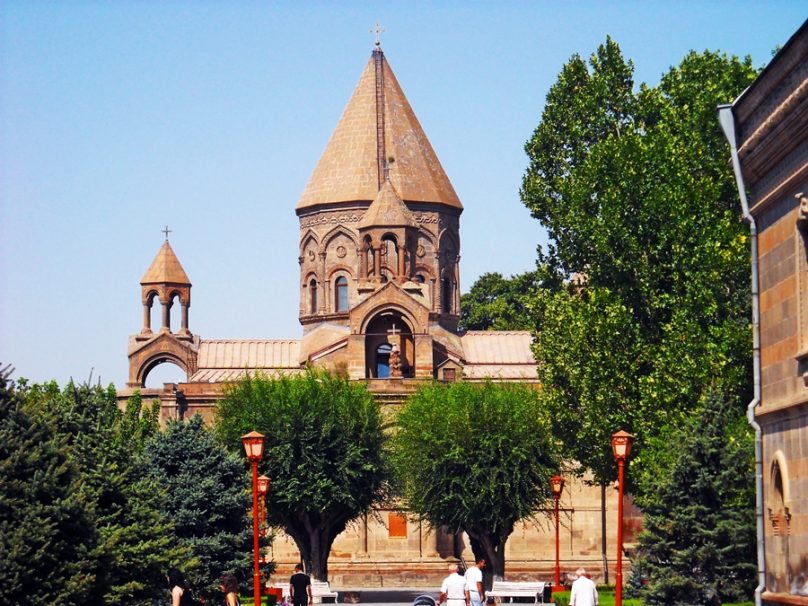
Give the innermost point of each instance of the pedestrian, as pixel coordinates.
(229, 586)
(180, 594)
(475, 594)
(453, 589)
(584, 591)
(300, 587)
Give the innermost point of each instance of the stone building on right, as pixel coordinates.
(767, 127)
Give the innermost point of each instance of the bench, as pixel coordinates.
(321, 592)
(518, 589)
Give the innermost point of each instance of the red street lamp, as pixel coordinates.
(621, 448)
(557, 485)
(254, 447)
(263, 490)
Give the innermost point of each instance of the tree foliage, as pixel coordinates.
(698, 541)
(128, 542)
(497, 303)
(644, 304)
(207, 495)
(475, 458)
(324, 453)
(46, 530)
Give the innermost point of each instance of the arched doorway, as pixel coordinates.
(389, 347)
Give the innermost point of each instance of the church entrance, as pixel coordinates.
(389, 347)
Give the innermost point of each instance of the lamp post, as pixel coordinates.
(621, 447)
(254, 447)
(557, 485)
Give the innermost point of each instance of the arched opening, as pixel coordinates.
(155, 312)
(389, 347)
(390, 254)
(341, 294)
(313, 296)
(780, 520)
(163, 370)
(447, 295)
(175, 313)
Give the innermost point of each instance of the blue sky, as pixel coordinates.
(117, 118)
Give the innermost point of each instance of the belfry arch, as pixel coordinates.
(389, 346)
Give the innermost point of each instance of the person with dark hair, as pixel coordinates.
(300, 587)
(475, 593)
(229, 586)
(180, 594)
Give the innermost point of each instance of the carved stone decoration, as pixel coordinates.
(802, 217)
(395, 363)
(341, 252)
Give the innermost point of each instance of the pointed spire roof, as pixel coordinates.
(377, 134)
(387, 210)
(165, 268)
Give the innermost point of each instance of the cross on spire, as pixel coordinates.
(378, 30)
(166, 231)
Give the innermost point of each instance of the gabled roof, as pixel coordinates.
(499, 355)
(228, 360)
(165, 269)
(366, 141)
(387, 210)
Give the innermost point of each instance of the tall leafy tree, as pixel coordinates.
(498, 303)
(324, 453)
(47, 532)
(639, 203)
(698, 541)
(207, 495)
(475, 458)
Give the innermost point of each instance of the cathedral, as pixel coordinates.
(379, 251)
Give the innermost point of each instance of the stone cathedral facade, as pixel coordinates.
(379, 252)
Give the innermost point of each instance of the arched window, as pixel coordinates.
(313, 296)
(420, 278)
(446, 295)
(341, 294)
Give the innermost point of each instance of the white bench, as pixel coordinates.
(518, 589)
(321, 592)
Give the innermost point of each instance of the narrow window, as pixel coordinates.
(446, 293)
(341, 294)
(313, 296)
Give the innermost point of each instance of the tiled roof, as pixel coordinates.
(498, 347)
(349, 168)
(220, 375)
(165, 268)
(248, 354)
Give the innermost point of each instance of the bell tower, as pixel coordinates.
(164, 283)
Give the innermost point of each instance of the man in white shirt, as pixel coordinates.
(584, 592)
(453, 589)
(474, 583)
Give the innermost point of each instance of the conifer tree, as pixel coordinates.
(207, 496)
(134, 543)
(698, 541)
(46, 530)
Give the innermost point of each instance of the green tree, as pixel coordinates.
(639, 203)
(46, 532)
(207, 495)
(698, 541)
(324, 453)
(475, 458)
(134, 543)
(497, 303)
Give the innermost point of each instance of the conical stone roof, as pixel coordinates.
(165, 268)
(353, 164)
(387, 210)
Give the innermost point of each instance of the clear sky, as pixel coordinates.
(118, 118)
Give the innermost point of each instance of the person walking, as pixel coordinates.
(229, 586)
(453, 589)
(300, 587)
(475, 593)
(584, 591)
